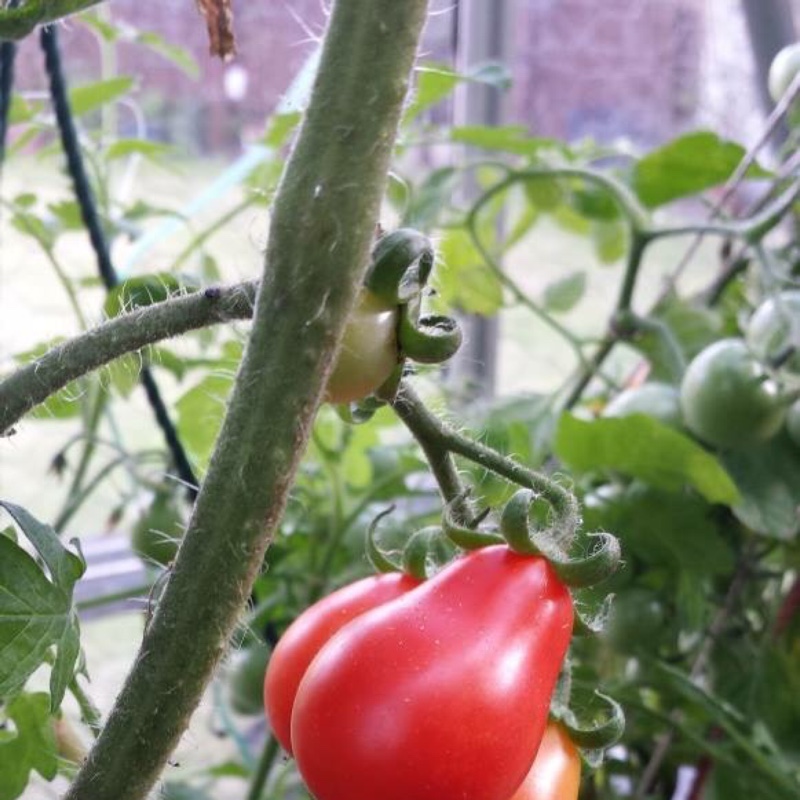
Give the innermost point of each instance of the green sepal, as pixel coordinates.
(377, 557)
(359, 412)
(425, 552)
(515, 524)
(400, 265)
(603, 552)
(467, 538)
(601, 561)
(431, 339)
(592, 624)
(598, 735)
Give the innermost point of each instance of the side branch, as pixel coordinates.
(32, 384)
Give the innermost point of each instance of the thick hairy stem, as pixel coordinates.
(322, 227)
(32, 384)
(17, 23)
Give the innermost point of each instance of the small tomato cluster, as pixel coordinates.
(437, 687)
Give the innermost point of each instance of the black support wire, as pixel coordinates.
(8, 53)
(94, 227)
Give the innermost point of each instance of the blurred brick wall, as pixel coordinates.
(581, 67)
(589, 68)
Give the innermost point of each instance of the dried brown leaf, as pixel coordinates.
(219, 21)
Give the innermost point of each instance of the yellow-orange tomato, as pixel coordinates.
(556, 772)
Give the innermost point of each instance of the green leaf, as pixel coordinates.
(68, 213)
(36, 613)
(564, 294)
(430, 199)
(769, 481)
(92, 96)
(508, 138)
(200, 413)
(686, 166)
(179, 56)
(35, 227)
(434, 82)
(464, 280)
(610, 240)
(661, 528)
(143, 147)
(143, 290)
(124, 373)
(545, 193)
(641, 447)
(33, 747)
(280, 128)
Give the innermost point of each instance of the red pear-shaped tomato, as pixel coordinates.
(443, 693)
(309, 632)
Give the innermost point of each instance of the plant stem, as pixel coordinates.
(90, 714)
(259, 780)
(320, 236)
(436, 437)
(33, 383)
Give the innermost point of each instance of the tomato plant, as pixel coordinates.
(309, 632)
(556, 772)
(774, 331)
(658, 400)
(416, 697)
(245, 675)
(727, 398)
(369, 352)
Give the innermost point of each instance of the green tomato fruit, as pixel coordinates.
(246, 679)
(774, 327)
(658, 400)
(793, 422)
(728, 400)
(784, 67)
(156, 534)
(369, 351)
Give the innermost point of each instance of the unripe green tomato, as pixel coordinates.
(658, 400)
(784, 67)
(246, 679)
(369, 351)
(728, 400)
(774, 326)
(156, 534)
(793, 422)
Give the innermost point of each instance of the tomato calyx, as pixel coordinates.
(601, 551)
(604, 728)
(430, 339)
(400, 266)
(467, 537)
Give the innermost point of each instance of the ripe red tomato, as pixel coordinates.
(442, 693)
(556, 773)
(309, 632)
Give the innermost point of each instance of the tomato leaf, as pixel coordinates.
(564, 294)
(84, 99)
(641, 447)
(769, 482)
(32, 748)
(36, 612)
(686, 166)
(464, 280)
